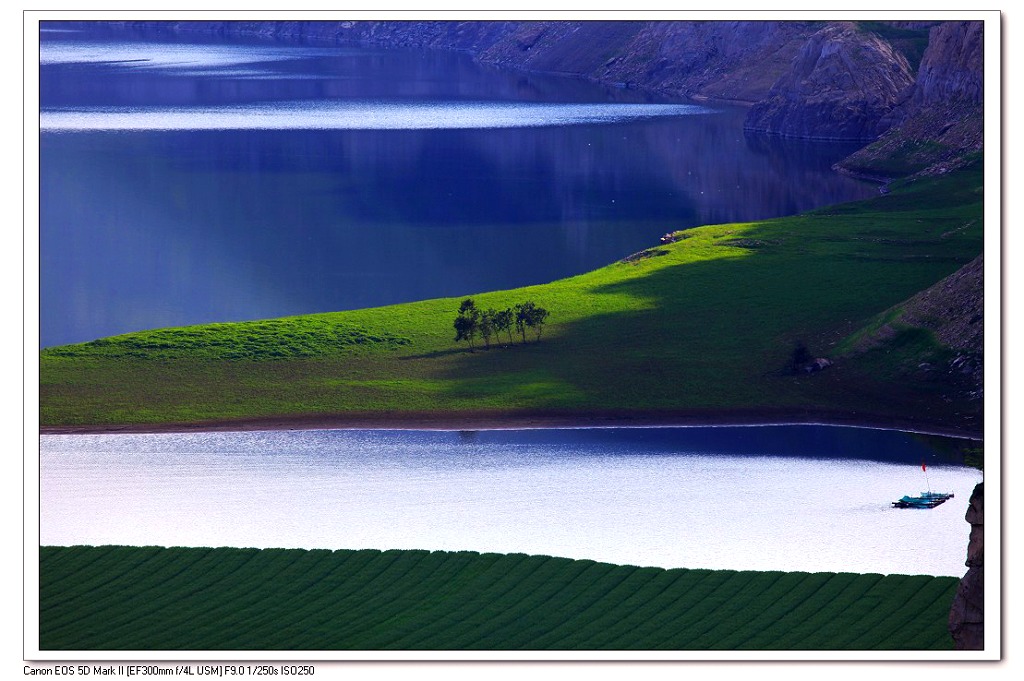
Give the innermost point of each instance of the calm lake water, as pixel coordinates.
(808, 498)
(189, 182)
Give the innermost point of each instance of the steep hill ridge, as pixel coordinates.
(948, 319)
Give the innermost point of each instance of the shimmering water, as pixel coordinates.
(358, 115)
(766, 498)
(186, 182)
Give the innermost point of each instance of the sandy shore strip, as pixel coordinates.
(469, 420)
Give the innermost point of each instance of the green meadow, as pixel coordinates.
(146, 598)
(704, 325)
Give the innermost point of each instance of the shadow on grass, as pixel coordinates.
(434, 354)
(713, 333)
(464, 350)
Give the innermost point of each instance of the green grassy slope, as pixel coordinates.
(121, 598)
(703, 324)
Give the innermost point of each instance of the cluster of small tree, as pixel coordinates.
(472, 322)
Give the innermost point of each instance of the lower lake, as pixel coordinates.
(795, 498)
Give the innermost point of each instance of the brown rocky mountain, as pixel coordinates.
(939, 124)
(841, 85)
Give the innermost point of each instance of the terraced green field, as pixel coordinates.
(122, 598)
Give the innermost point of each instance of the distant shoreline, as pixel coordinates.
(453, 421)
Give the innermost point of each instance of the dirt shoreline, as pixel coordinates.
(515, 421)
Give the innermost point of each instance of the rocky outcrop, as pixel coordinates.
(723, 60)
(967, 615)
(952, 67)
(842, 84)
(939, 125)
(953, 312)
(953, 309)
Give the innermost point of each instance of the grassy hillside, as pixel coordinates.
(706, 324)
(121, 598)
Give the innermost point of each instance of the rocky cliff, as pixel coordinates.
(735, 61)
(951, 69)
(967, 616)
(938, 124)
(841, 85)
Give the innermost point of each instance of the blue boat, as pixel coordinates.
(936, 495)
(925, 500)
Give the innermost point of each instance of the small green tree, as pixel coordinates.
(523, 311)
(538, 317)
(467, 323)
(503, 322)
(528, 314)
(487, 326)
